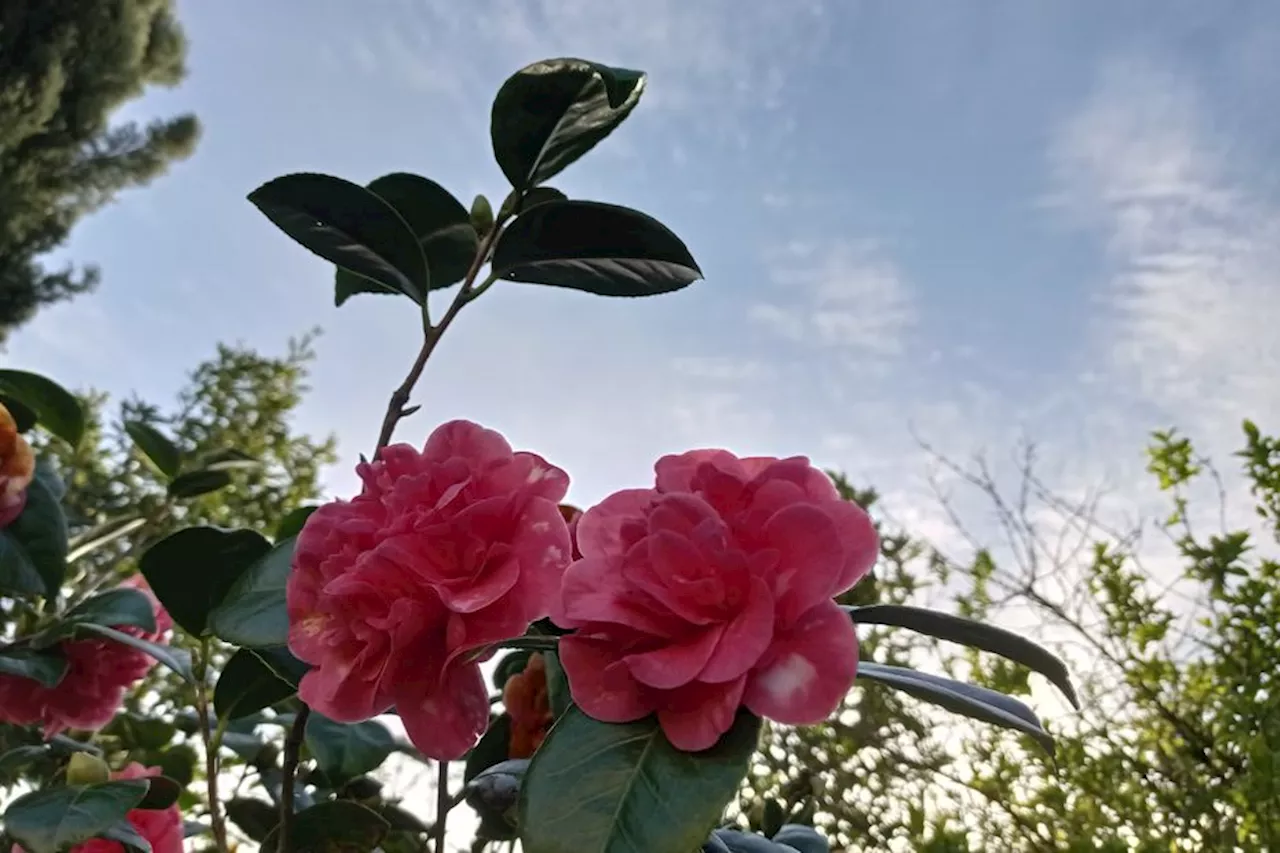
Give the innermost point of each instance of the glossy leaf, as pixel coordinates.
(53, 819)
(229, 459)
(19, 758)
(292, 524)
(600, 248)
(252, 612)
(350, 226)
(255, 818)
(37, 540)
(247, 685)
(517, 202)
(115, 608)
(193, 484)
(494, 795)
(56, 409)
(24, 417)
(162, 792)
(596, 787)
(557, 685)
(125, 833)
(45, 667)
(509, 665)
(969, 700)
(83, 544)
(804, 839)
(967, 632)
(337, 826)
(136, 732)
(439, 222)
(162, 453)
(18, 574)
(177, 660)
(192, 571)
(494, 747)
(550, 113)
(346, 750)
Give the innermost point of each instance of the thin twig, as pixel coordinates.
(211, 745)
(442, 805)
(292, 749)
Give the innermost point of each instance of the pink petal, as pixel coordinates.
(544, 551)
(700, 714)
(468, 440)
(809, 670)
(675, 472)
(745, 639)
(861, 543)
(600, 684)
(594, 590)
(810, 558)
(443, 724)
(600, 531)
(677, 662)
(341, 694)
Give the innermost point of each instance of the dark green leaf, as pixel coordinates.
(253, 613)
(969, 700)
(54, 819)
(91, 540)
(193, 484)
(772, 817)
(510, 665)
(177, 660)
(20, 757)
(135, 732)
(24, 417)
(338, 826)
(45, 667)
(439, 222)
(192, 571)
(18, 574)
(557, 685)
(803, 839)
(56, 409)
(494, 795)
(178, 762)
(492, 749)
(229, 460)
(47, 473)
(600, 248)
(114, 608)
(346, 750)
(976, 635)
(247, 685)
(550, 113)
(291, 525)
(123, 832)
(402, 821)
(518, 202)
(156, 447)
(162, 793)
(36, 541)
(192, 828)
(350, 226)
(608, 788)
(281, 661)
(255, 818)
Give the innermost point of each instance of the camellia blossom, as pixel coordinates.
(713, 590)
(17, 467)
(529, 707)
(99, 672)
(161, 827)
(395, 595)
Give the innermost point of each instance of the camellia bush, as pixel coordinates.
(648, 636)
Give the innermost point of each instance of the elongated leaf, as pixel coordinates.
(346, 750)
(192, 571)
(976, 635)
(45, 667)
(247, 685)
(618, 788)
(557, 685)
(291, 525)
(176, 659)
(18, 573)
(600, 248)
(23, 416)
(124, 832)
(439, 222)
(56, 409)
(969, 700)
(193, 484)
(37, 540)
(281, 661)
(255, 818)
(253, 611)
(229, 459)
(162, 792)
(338, 826)
(517, 202)
(19, 758)
(104, 534)
(114, 608)
(493, 748)
(54, 819)
(350, 226)
(550, 113)
(156, 447)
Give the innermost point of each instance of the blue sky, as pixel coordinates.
(975, 221)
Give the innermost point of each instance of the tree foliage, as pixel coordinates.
(67, 67)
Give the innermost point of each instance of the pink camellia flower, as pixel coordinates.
(17, 467)
(161, 827)
(714, 590)
(99, 671)
(395, 595)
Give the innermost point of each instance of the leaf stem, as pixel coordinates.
(212, 742)
(289, 767)
(443, 805)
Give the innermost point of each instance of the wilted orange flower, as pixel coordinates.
(528, 705)
(17, 465)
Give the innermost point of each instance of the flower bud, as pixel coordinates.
(481, 215)
(87, 769)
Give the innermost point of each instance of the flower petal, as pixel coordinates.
(600, 530)
(745, 639)
(810, 558)
(701, 713)
(445, 721)
(810, 668)
(600, 684)
(594, 590)
(675, 662)
(675, 473)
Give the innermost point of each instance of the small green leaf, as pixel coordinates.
(177, 660)
(619, 788)
(247, 685)
(114, 608)
(600, 248)
(229, 459)
(36, 542)
(124, 832)
(255, 818)
(53, 819)
(162, 792)
(83, 544)
(510, 665)
(557, 685)
(178, 762)
(145, 733)
(492, 749)
(45, 667)
(350, 226)
(252, 612)
(162, 453)
(193, 570)
(772, 817)
(291, 525)
(56, 409)
(967, 632)
(19, 758)
(193, 484)
(517, 202)
(550, 113)
(968, 700)
(346, 750)
(337, 826)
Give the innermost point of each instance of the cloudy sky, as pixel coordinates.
(970, 222)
